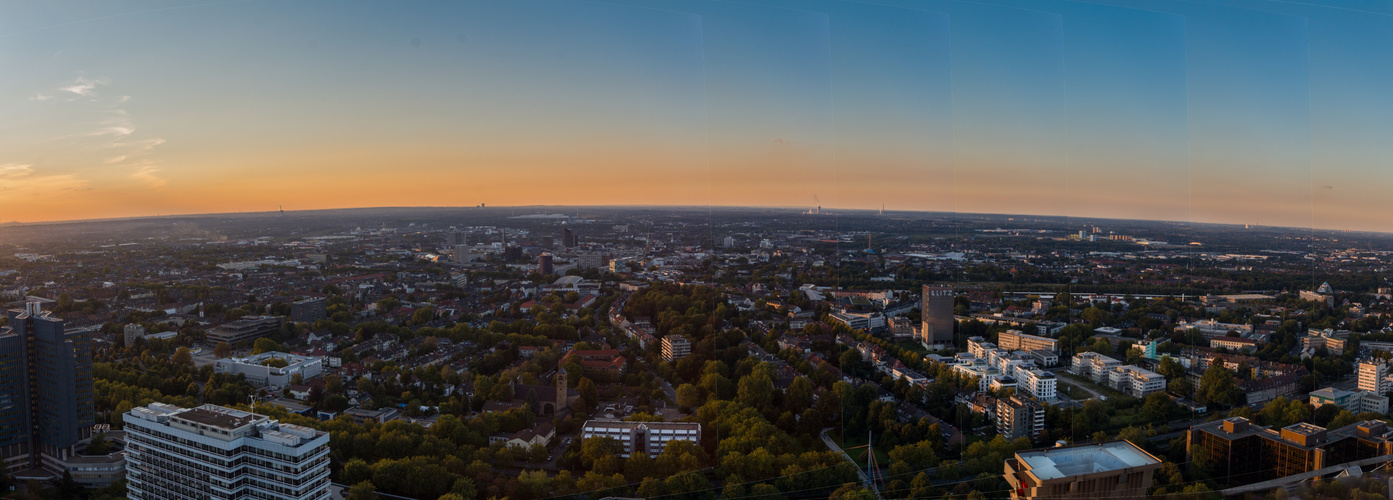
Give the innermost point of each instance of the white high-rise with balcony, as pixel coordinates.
(212, 452)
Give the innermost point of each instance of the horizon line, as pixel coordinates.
(755, 207)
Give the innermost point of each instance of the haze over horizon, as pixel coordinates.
(1255, 112)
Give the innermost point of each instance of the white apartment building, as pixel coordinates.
(217, 453)
(1136, 381)
(1374, 377)
(1038, 383)
(264, 369)
(1093, 365)
(648, 437)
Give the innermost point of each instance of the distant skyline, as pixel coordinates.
(1253, 112)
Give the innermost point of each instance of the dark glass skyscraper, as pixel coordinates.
(46, 403)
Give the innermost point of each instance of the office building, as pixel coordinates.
(1354, 401)
(676, 347)
(245, 330)
(456, 238)
(937, 310)
(569, 238)
(46, 399)
(215, 453)
(648, 437)
(1016, 340)
(1244, 453)
(271, 368)
(1113, 470)
(544, 264)
(309, 310)
(1019, 416)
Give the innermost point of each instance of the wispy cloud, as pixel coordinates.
(13, 170)
(113, 141)
(79, 88)
(147, 173)
(20, 177)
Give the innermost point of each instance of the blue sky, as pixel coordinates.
(1258, 112)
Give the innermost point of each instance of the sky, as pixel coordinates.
(1246, 112)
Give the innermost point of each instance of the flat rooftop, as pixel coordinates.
(228, 419)
(1057, 463)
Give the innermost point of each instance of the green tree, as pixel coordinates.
(362, 491)
(688, 396)
(1217, 387)
(265, 344)
(222, 350)
(182, 357)
(756, 390)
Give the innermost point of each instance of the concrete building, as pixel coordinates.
(246, 329)
(1019, 416)
(1354, 401)
(1016, 340)
(1037, 383)
(1112, 470)
(263, 369)
(46, 397)
(648, 437)
(901, 329)
(1374, 377)
(1093, 365)
(544, 264)
(212, 452)
(676, 347)
(937, 310)
(1245, 453)
(309, 310)
(1135, 381)
(1236, 344)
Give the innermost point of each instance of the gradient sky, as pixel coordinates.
(1261, 112)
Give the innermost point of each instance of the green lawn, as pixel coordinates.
(1112, 394)
(859, 455)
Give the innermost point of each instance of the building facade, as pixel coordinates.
(1016, 340)
(309, 310)
(1374, 377)
(648, 437)
(1112, 470)
(937, 310)
(266, 369)
(676, 347)
(212, 452)
(1243, 453)
(46, 398)
(1018, 417)
(1037, 383)
(245, 329)
(1354, 401)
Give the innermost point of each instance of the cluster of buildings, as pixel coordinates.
(995, 368)
(1128, 379)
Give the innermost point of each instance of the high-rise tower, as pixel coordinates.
(937, 310)
(46, 404)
